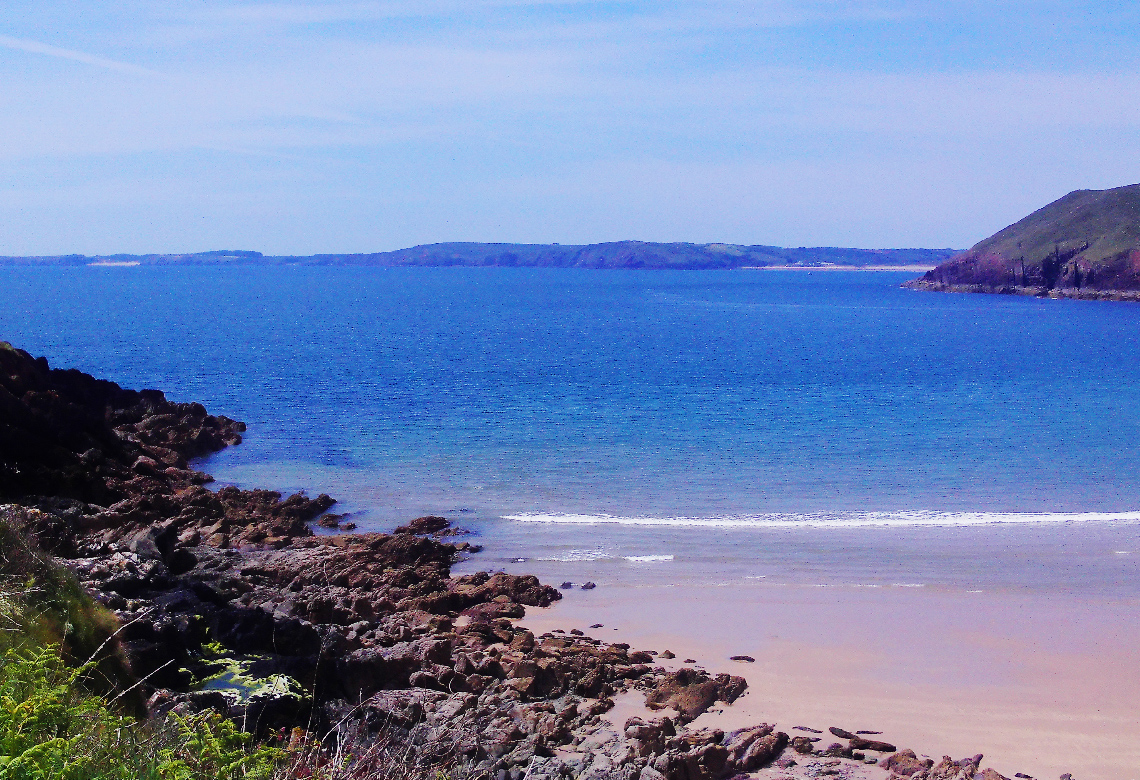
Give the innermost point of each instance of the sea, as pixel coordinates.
(918, 512)
(642, 426)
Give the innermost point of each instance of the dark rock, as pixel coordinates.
(692, 692)
(837, 750)
(752, 748)
(423, 526)
(861, 743)
(906, 762)
(802, 745)
(746, 658)
(841, 733)
(588, 586)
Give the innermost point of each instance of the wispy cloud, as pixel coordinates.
(35, 47)
(733, 120)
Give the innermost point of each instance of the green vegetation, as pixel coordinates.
(1098, 224)
(42, 604)
(50, 727)
(61, 714)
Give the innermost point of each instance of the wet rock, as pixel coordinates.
(424, 526)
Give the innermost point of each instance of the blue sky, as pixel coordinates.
(363, 126)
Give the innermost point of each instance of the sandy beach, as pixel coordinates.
(909, 268)
(1040, 686)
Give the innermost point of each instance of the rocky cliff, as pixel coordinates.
(1085, 245)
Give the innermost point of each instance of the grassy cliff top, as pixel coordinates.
(1107, 221)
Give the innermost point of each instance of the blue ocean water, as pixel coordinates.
(587, 400)
(784, 464)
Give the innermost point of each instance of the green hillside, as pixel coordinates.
(1087, 244)
(1097, 224)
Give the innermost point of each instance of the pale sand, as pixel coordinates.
(909, 268)
(1040, 685)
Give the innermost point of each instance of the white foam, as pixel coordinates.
(648, 558)
(595, 554)
(836, 519)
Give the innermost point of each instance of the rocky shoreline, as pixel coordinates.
(1075, 293)
(366, 642)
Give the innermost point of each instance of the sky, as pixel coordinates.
(358, 126)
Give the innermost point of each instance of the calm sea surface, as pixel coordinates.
(651, 424)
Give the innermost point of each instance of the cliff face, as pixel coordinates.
(1087, 245)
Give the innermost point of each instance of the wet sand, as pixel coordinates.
(1041, 684)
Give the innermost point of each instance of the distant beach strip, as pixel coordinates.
(837, 520)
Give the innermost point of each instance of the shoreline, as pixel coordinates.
(365, 639)
(1055, 293)
(1038, 710)
(907, 268)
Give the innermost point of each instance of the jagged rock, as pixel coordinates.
(691, 692)
(424, 526)
(906, 762)
(749, 749)
(802, 745)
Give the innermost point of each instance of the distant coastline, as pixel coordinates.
(629, 255)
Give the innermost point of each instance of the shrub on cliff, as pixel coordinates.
(41, 604)
(50, 727)
(64, 686)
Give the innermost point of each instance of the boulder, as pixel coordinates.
(906, 762)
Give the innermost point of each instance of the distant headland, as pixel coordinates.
(1085, 245)
(611, 255)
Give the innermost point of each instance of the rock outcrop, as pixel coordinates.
(1085, 245)
(228, 601)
